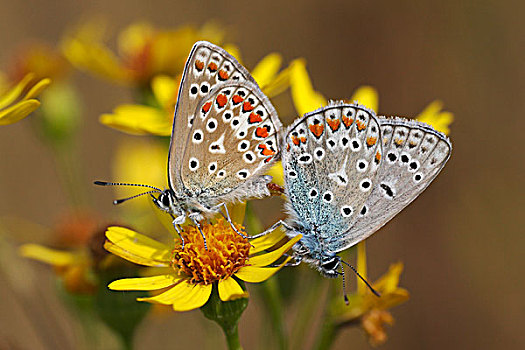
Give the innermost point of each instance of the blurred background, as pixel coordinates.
(461, 242)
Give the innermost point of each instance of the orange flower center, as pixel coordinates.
(227, 252)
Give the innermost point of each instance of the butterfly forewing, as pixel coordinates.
(207, 66)
(233, 140)
(331, 158)
(414, 154)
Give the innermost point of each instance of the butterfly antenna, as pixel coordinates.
(344, 285)
(118, 201)
(361, 277)
(104, 183)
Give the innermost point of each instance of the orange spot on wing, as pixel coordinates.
(302, 139)
(296, 140)
(347, 121)
(212, 67)
(287, 146)
(378, 156)
(237, 99)
(206, 107)
(399, 142)
(254, 118)
(360, 125)
(199, 65)
(247, 106)
(261, 132)
(370, 141)
(333, 123)
(266, 151)
(317, 130)
(223, 75)
(222, 100)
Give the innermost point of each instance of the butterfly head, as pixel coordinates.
(330, 266)
(167, 202)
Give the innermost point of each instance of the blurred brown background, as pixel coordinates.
(462, 241)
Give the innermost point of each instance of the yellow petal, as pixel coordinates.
(49, 256)
(145, 283)
(198, 296)
(433, 115)
(124, 254)
(276, 172)
(183, 297)
(229, 289)
(138, 244)
(266, 241)
(390, 280)
(18, 111)
(171, 295)
(254, 274)
(268, 258)
(13, 94)
(267, 68)
(367, 96)
(138, 120)
(37, 88)
(134, 38)
(165, 89)
(305, 98)
(96, 58)
(281, 82)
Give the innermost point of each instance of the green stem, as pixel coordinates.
(274, 305)
(327, 336)
(232, 337)
(127, 343)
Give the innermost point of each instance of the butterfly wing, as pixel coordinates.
(233, 141)
(331, 157)
(414, 154)
(207, 66)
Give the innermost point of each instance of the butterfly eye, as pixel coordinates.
(165, 199)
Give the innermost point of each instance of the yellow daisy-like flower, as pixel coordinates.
(18, 102)
(191, 272)
(143, 50)
(156, 118)
(370, 310)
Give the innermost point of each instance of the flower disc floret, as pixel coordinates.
(227, 252)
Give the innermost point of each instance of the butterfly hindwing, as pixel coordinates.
(207, 66)
(331, 158)
(232, 142)
(414, 154)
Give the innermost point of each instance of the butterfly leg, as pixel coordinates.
(227, 217)
(273, 227)
(176, 224)
(197, 223)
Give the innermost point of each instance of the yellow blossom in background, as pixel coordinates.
(144, 51)
(157, 117)
(40, 59)
(307, 99)
(370, 310)
(19, 101)
(191, 272)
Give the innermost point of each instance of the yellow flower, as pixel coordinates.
(40, 59)
(78, 233)
(365, 307)
(306, 99)
(156, 118)
(191, 272)
(143, 50)
(19, 101)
